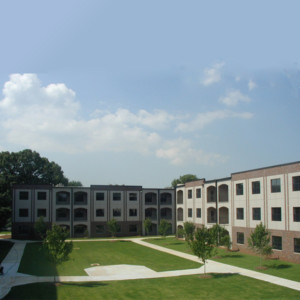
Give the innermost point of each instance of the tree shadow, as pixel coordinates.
(277, 266)
(231, 256)
(82, 284)
(223, 275)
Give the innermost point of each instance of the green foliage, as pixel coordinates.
(164, 228)
(40, 228)
(189, 230)
(24, 167)
(259, 241)
(55, 244)
(113, 227)
(180, 233)
(74, 183)
(147, 225)
(220, 236)
(183, 179)
(203, 244)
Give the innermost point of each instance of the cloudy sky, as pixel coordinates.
(141, 92)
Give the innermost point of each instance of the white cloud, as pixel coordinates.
(212, 75)
(251, 85)
(48, 119)
(233, 98)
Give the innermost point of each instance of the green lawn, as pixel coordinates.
(104, 253)
(220, 286)
(5, 246)
(275, 267)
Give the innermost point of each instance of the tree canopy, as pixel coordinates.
(183, 179)
(74, 183)
(24, 167)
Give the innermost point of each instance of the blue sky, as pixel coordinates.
(141, 92)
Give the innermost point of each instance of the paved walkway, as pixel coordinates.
(12, 278)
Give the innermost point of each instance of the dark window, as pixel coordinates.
(275, 185)
(256, 213)
(80, 197)
(276, 213)
(23, 212)
(296, 211)
(80, 229)
(42, 196)
(190, 194)
(240, 238)
(239, 189)
(99, 196)
(297, 245)
(132, 212)
(132, 228)
(100, 229)
(100, 212)
(296, 183)
(198, 193)
(62, 198)
(23, 195)
(116, 196)
(132, 196)
(240, 213)
(116, 212)
(256, 187)
(41, 212)
(198, 212)
(277, 242)
(79, 213)
(190, 212)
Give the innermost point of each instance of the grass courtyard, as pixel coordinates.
(274, 267)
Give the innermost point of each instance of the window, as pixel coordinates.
(100, 229)
(116, 212)
(99, 196)
(132, 228)
(256, 213)
(23, 195)
(116, 196)
(239, 189)
(62, 198)
(296, 211)
(41, 212)
(297, 245)
(240, 213)
(276, 213)
(256, 187)
(198, 193)
(275, 185)
(132, 212)
(42, 196)
(80, 198)
(296, 183)
(132, 197)
(240, 238)
(277, 242)
(100, 212)
(190, 194)
(198, 212)
(23, 212)
(190, 212)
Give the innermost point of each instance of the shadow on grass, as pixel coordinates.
(81, 284)
(231, 256)
(277, 266)
(223, 275)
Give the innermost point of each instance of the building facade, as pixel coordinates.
(269, 195)
(85, 211)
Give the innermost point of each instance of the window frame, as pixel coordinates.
(276, 217)
(239, 189)
(256, 187)
(276, 185)
(256, 209)
(239, 211)
(276, 242)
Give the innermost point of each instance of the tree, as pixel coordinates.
(259, 241)
(202, 244)
(24, 167)
(220, 236)
(147, 225)
(40, 228)
(189, 230)
(56, 245)
(113, 227)
(183, 179)
(75, 183)
(164, 228)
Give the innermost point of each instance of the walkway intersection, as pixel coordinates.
(12, 278)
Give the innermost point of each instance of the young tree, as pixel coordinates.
(56, 245)
(113, 227)
(189, 230)
(220, 236)
(147, 225)
(202, 244)
(259, 241)
(164, 228)
(40, 228)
